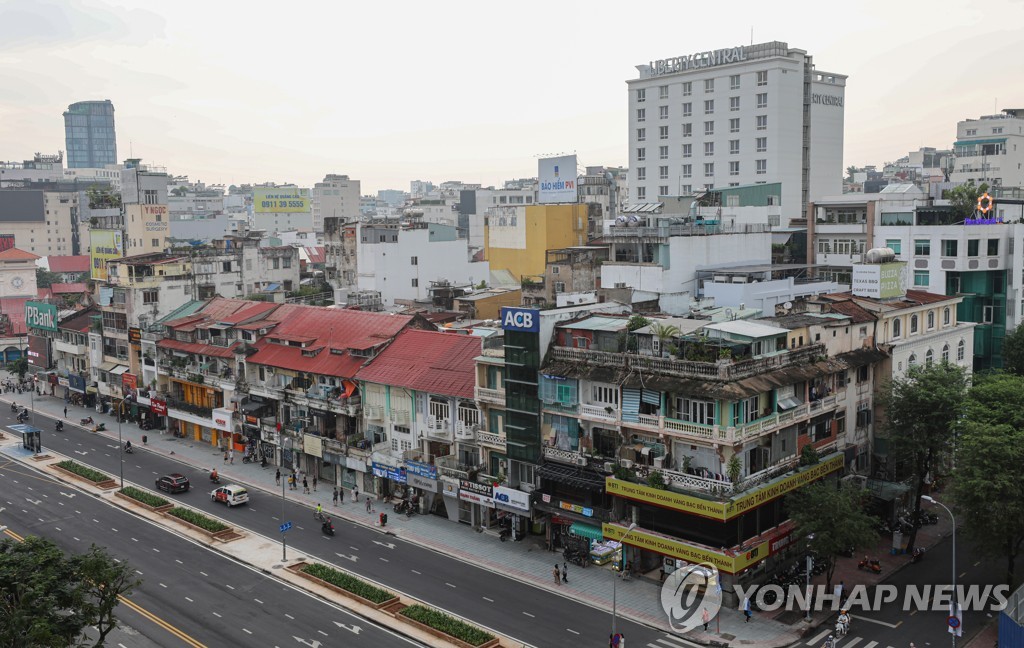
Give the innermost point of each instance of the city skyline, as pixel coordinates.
(473, 94)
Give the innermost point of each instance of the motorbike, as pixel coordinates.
(404, 506)
(215, 478)
(145, 425)
(100, 427)
(59, 426)
(22, 417)
(86, 421)
(917, 555)
(327, 528)
(14, 407)
(505, 534)
(871, 565)
(128, 448)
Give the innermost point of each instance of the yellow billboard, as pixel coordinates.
(729, 563)
(104, 245)
(282, 200)
(722, 511)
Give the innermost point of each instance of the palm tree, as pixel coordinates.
(664, 332)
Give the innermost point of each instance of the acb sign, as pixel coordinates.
(526, 320)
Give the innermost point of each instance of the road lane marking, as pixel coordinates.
(289, 616)
(160, 622)
(178, 561)
(529, 615)
(818, 637)
(882, 623)
(416, 572)
(450, 585)
(135, 540)
(962, 575)
(871, 645)
(217, 615)
(489, 600)
(246, 631)
(58, 528)
(113, 529)
(189, 600)
(385, 559)
(258, 601)
(163, 586)
(975, 564)
(853, 642)
(229, 587)
(322, 632)
(75, 539)
(572, 631)
(204, 573)
(138, 572)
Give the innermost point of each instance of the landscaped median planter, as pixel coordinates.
(345, 584)
(447, 627)
(146, 500)
(86, 474)
(200, 522)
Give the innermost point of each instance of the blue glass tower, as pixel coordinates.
(89, 134)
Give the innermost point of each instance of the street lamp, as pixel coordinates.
(120, 445)
(956, 599)
(810, 568)
(615, 609)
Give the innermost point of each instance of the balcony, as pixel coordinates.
(491, 439)
(399, 416)
(491, 396)
(449, 466)
(466, 431)
(438, 429)
(722, 370)
(564, 456)
(708, 228)
(373, 412)
(196, 410)
(599, 413)
(69, 348)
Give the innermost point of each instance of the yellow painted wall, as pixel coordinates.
(548, 227)
(490, 307)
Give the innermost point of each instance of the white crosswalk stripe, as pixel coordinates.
(818, 639)
(851, 642)
(871, 645)
(672, 641)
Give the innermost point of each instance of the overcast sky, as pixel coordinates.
(391, 91)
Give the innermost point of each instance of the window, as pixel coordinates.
(150, 196)
(734, 82)
(286, 262)
(663, 92)
(687, 150)
(896, 326)
(945, 352)
(641, 95)
(663, 132)
(894, 244)
(150, 296)
(641, 193)
(961, 347)
(762, 78)
(734, 125)
(276, 263)
(156, 242)
(745, 411)
(997, 131)
(687, 88)
(641, 154)
(641, 173)
(560, 288)
(709, 169)
(973, 246)
(948, 248)
(709, 85)
(709, 128)
(931, 320)
(662, 152)
(641, 134)
(761, 144)
(762, 122)
(761, 167)
(662, 112)
(709, 148)
(993, 247)
(641, 114)
(913, 323)
(662, 190)
(945, 316)
(696, 410)
(921, 278)
(971, 131)
(762, 100)
(734, 168)
(686, 190)
(663, 173)
(986, 314)
(687, 130)
(734, 147)
(687, 170)
(912, 360)
(709, 106)
(923, 247)
(605, 395)
(415, 283)
(687, 109)
(734, 104)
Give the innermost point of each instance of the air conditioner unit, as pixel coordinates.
(609, 466)
(659, 462)
(626, 463)
(581, 461)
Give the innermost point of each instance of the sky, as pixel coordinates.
(388, 92)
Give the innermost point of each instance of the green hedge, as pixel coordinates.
(94, 476)
(144, 497)
(198, 519)
(349, 583)
(447, 624)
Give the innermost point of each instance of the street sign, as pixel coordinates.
(286, 526)
(953, 622)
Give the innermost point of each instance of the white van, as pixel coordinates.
(231, 495)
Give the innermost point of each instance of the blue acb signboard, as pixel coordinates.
(526, 320)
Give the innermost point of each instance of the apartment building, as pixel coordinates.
(990, 150)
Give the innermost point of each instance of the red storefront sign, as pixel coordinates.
(158, 407)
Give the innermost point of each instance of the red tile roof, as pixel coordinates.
(66, 288)
(214, 311)
(78, 263)
(316, 254)
(14, 254)
(258, 308)
(198, 349)
(324, 363)
(912, 298)
(436, 363)
(80, 321)
(14, 309)
(857, 313)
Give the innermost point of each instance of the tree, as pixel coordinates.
(964, 198)
(834, 514)
(48, 599)
(1013, 351)
(46, 279)
(987, 484)
(850, 170)
(922, 412)
(664, 332)
(19, 366)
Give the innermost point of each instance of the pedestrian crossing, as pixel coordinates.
(672, 641)
(844, 642)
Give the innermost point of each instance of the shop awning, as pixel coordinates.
(787, 404)
(107, 366)
(119, 369)
(586, 531)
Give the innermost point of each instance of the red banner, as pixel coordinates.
(158, 407)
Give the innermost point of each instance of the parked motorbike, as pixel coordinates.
(871, 565)
(14, 407)
(327, 528)
(86, 421)
(505, 534)
(22, 417)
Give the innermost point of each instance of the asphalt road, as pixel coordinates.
(894, 626)
(528, 614)
(193, 590)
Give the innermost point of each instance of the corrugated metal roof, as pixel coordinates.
(435, 363)
(597, 323)
(197, 349)
(747, 328)
(77, 263)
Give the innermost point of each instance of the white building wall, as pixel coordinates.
(1005, 168)
(335, 196)
(828, 101)
(282, 222)
(766, 295)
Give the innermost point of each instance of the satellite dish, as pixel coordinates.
(788, 305)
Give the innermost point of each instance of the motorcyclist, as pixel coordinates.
(127, 446)
(327, 527)
(844, 621)
(213, 475)
(60, 426)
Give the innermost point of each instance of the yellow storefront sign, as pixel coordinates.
(721, 511)
(673, 548)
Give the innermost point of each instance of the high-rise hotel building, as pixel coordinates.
(737, 116)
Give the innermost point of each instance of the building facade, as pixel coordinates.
(990, 150)
(89, 134)
(335, 196)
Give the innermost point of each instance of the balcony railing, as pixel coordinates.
(197, 410)
(399, 416)
(465, 431)
(491, 439)
(564, 456)
(722, 370)
(374, 412)
(492, 396)
(601, 412)
(449, 466)
(438, 429)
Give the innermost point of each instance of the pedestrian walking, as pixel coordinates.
(225, 456)
(277, 476)
(231, 456)
(65, 411)
(335, 495)
(291, 482)
(747, 611)
(705, 618)
(369, 504)
(565, 573)
(305, 486)
(314, 483)
(355, 493)
(557, 575)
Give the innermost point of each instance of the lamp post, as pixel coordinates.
(810, 567)
(284, 541)
(120, 445)
(615, 609)
(956, 599)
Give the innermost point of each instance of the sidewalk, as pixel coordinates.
(526, 561)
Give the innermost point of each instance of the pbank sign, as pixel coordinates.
(525, 320)
(41, 316)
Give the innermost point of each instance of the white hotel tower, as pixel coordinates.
(737, 116)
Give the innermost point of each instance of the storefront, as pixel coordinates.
(390, 479)
(512, 510)
(422, 480)
(477, 501)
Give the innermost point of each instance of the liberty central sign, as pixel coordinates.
(698, 60)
